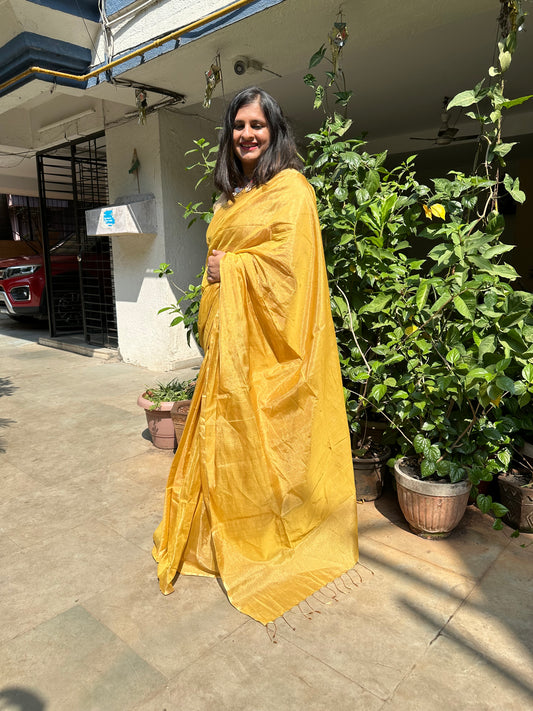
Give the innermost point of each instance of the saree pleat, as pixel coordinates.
(261, 490)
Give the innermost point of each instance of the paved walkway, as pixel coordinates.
(432, 626)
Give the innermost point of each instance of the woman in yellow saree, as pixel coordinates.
(261, 490)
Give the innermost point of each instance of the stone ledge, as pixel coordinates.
(76, 344)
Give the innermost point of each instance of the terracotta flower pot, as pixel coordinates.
(369, 474)
(432, 509)
(178, 413)
(160, 423)
(519, 501)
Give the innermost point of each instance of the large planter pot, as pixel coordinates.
(160, 423)
(369, 473)
(432, 509)
(178, 413)
(519, 500)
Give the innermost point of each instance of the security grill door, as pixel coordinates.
(79, 275)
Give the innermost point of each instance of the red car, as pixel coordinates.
(22, 283)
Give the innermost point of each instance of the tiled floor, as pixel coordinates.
(432, 625)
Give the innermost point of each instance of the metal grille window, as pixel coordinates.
(79, 274)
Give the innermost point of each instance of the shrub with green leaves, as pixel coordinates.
(431, 333)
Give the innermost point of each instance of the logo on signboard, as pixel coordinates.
(108, 217)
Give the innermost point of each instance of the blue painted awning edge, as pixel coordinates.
(229, 19)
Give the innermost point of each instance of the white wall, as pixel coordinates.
(131, 29)
(145, 337)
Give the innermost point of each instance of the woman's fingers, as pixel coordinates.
(213, 266)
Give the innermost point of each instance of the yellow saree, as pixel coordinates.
(261, 490)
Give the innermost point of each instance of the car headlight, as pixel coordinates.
(23, 270)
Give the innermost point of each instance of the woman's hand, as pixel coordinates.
(213, 266)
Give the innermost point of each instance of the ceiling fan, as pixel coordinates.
(446, 134)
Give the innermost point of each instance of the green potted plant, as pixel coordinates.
(431, 333)
(516, 493)
(516, 484)
(157, 402)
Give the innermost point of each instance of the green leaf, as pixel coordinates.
(465, 98)
(504, 456)
(463, 309)
(483, 502)
(505, 271)
(513, 340)
(427, 468)
(497, 249)
(433, 454)
(378, 304)
(457, 473)
(513, 188)
(498, 525)
(341, 193)
(319, 97)
(343, 97)
(444, 468)
(515, 102)
(527, 373)
(441, 301)
(476, 374)
(419, 442)
(371, 182)
(453, 356)
(317, 56)
(502, 149)
(362, 196)
(422, 294)
(378, 392)
(495, 223)
(499, 510)
(388, 207)
(505, 60)
(505, 383)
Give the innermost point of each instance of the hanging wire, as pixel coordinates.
(108, 34)
(88, 33)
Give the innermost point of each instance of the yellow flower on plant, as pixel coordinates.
(436, 210)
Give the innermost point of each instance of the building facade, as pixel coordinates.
(111, 94)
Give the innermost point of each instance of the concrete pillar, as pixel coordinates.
(145, 338)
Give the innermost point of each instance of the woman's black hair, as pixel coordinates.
(280, 154)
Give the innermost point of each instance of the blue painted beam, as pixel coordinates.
(28, 49)
(87, 9)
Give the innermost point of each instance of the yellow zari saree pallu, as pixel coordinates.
(261, 490)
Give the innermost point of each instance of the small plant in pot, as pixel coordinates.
(370, 453)
(157, 402)
(516, 485)
(516, 493)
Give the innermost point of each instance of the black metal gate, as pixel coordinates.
(79, 274)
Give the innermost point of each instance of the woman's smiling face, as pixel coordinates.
(251, 136)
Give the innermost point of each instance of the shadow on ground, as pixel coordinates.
(16, 699)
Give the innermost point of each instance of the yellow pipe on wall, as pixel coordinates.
(156, 43)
